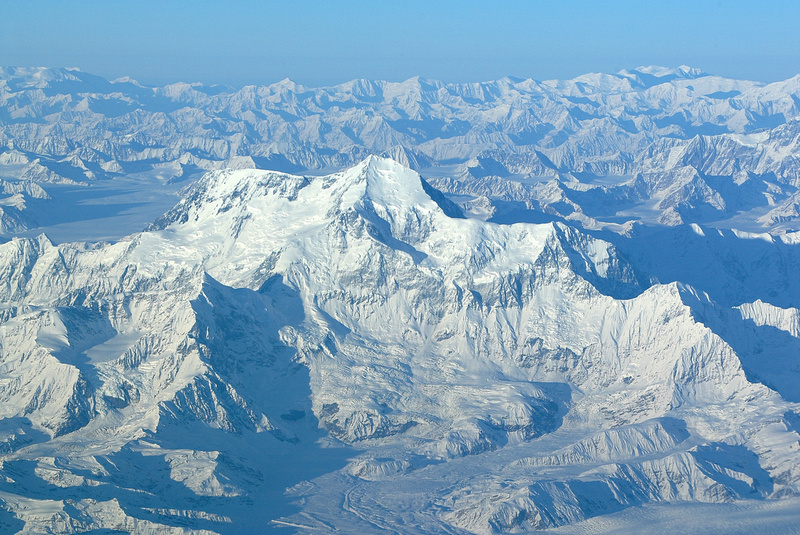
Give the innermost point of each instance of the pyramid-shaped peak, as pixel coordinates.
(382, 163)
(374, 183)
(397, 188)
(388, 182)
(287, 84)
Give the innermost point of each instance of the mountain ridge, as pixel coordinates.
(348, 318)
(739, 136)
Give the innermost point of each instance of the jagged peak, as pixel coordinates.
(391, 182)
(385, 183)
(374, 182)
(38, 243)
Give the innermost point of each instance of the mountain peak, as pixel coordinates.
(286, 85)
(250, 198)
(651, 75)
(392, 182)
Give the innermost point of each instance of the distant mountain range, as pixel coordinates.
(681, 145)
(479, 308)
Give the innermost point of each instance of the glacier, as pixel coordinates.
(416, 307)
(339, 352)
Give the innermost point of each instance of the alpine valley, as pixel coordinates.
(413, 308)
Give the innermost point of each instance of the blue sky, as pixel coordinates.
(328, 42)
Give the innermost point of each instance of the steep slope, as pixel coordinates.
(661, 146)
(185, 376)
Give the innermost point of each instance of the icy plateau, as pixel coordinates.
(577, 313)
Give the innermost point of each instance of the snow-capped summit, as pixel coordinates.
(597, 127)
(611, 325)
(266, 311)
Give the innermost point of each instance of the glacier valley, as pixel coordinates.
(417, 307)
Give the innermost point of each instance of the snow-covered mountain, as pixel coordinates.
(661, 146)
(354, 340)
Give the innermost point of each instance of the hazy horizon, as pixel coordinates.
(317, 43)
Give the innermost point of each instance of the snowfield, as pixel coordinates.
(509, 307)
(394, 367)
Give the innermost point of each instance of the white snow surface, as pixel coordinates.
(653, 145)
(337, 353)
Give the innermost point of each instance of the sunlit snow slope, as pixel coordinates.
(396, 366)
(658, 146)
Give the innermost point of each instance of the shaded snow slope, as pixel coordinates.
(392, 366)
(655, 145)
